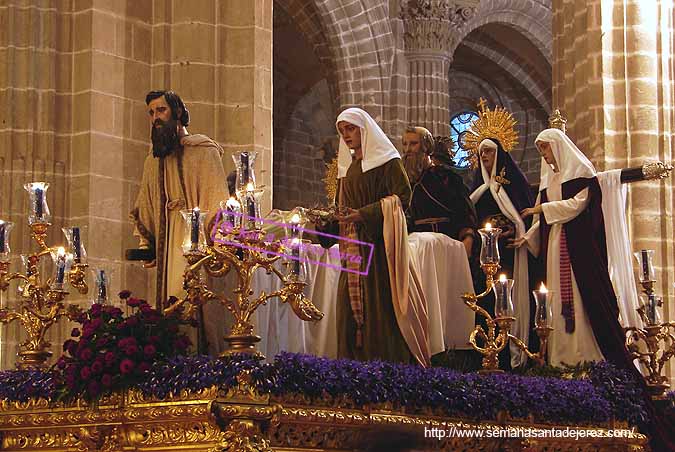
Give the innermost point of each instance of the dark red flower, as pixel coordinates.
(87, 331)
(70, 381)
(126, 366)
(95, 310)
(113, 311)
(153, 339)
(182, 343)
(75, 332)
(143, 367)
(85, 354)
(85, 373)
(109, 357)
(149, 351)
(70, 346)
(124, 294)
(133, 302)
(106, 380)
(97, 367)
(93, 388)
(61, 363)
(130, 349)
(71, 369)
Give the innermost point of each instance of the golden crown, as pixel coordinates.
(497, 123)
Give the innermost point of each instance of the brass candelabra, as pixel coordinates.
(243, 251)
(498, 332)
(41, 302)
(658, 340)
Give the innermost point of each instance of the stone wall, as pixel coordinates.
(73, 78)
(613, 78)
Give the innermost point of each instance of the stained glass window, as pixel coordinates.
(459, 124)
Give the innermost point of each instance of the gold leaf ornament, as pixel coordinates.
(498, 123)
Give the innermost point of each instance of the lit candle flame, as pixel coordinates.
(61, 252)
(232, 202)
(502, 278)
(250, 186)
(488, 227)
(295, 218)
(542, 288)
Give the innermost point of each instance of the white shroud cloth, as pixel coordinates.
(445, 276)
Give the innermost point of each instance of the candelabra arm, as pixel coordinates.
(276, 271)
(39, 234)
(478, 332)
(77, 278)
(471, 301)
(53, 313)
(538, 357)
(7, 316)
(5, 279)
(668, 338)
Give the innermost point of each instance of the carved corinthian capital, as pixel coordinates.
(432, 25)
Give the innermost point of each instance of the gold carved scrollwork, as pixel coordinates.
(245, 426)
(656, 170)
(172, 433)
(243, 436)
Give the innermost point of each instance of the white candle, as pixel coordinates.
(295, 221)
(232, 205)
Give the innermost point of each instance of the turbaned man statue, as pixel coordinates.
(183, 172)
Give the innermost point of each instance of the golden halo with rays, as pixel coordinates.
(497, 123)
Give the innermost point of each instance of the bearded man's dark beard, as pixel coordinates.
(415, 163)
(165, 139)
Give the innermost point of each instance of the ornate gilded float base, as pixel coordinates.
(212, 422)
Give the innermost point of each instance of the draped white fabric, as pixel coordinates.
(619, 246)
(445, 274)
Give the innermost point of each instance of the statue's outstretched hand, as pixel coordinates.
(516, 243)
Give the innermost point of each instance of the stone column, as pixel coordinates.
(244, 85)
(34, 135)
(429, 40)
(71, 76)
(613, 79)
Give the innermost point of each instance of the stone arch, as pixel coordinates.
(519, 82)
(532, 18)
(473, 87)
(307, 19)
(363, 45)
(539, 89)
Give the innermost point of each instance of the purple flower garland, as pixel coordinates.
(605, 393)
